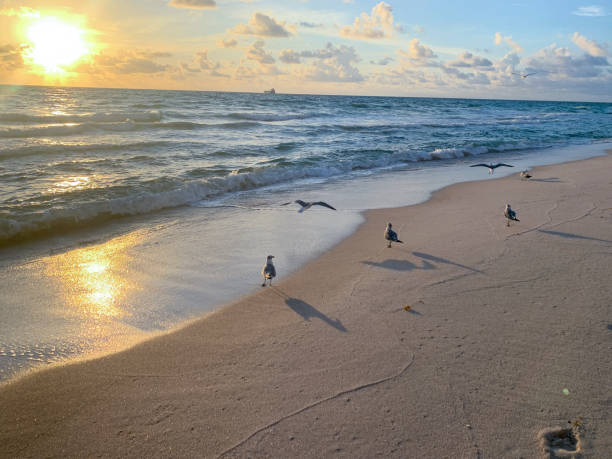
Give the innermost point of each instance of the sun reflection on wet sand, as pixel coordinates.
(94, 280)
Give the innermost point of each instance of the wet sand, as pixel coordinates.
(507, 337)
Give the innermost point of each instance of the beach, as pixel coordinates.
(507, 334)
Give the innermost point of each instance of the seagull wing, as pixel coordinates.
(481, 164)
(286, 203)
(324, 204)
(528, 74)
(502, 164)
(301, 203)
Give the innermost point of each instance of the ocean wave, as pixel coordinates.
(60, 130)
(51, 149)
(271, 117)
(92, 206)
(111, 117)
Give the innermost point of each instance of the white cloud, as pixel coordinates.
(560, 63)
(417, 54)
(257, 53)
(376, 26)
(329, 64)
(508, 40)
(193, 4)
(467, 59)
(227, 43)
(590, 46)
(262, 26)
(384, 61)
(592, 10)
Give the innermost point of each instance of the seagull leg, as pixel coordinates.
(389, 245)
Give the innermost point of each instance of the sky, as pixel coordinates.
(544, 50)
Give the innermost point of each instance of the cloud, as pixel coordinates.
(376, 26)
(289, 56)
(593, 10)
(193, 4)
(467, 59)
(201, 64)
(417, 54)
(560, 63)
(384, 61)
(262, 26)
(331, 64)
(310, 25)
(130, 62)
(256, 52)
(227, 43)
(23, 11)
(590, 46)
(508, 40)
(11, 57)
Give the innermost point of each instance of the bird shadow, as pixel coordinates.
(426, 256)
(308, 311)
(546, 180)
(399, 265)
(573, 236)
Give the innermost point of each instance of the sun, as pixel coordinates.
(55, 44)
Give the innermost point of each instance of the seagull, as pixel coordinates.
(491, 166)
(524, 75)
(510, 214)
(525, 175)
(268, 271)
(391, 235)
(308, 205)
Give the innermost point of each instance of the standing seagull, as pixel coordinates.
(525, 175)
(510, 214)
(268, 271)
(391, 235)
(308, 205)
(491, 166)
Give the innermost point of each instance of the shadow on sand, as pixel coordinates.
(399, 265)
(426, 256)
(308, 311)
(546, 180)
(573, 236)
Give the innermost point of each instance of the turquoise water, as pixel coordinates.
(74, 157)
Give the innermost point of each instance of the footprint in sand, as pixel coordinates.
(559, 442)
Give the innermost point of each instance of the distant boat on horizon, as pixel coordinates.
(270, 91)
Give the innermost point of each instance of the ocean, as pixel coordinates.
(125, 213)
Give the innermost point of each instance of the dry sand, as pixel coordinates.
(508, 335)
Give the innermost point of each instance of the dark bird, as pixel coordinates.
(491, 166)
(268, 271)
(525, 175)
(524, 75)
(308, 205)
(391, 235)
(510, 214)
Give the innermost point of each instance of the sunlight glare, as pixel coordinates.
(55, 44)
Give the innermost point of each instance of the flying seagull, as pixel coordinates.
(268, 271)
(524, 75)
(510, 214)
(308, 205)
(491, 166)
(391, 235)
(525, 175)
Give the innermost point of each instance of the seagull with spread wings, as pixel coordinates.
(307, 205)
(491, 167)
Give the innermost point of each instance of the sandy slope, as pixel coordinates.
(509, 333)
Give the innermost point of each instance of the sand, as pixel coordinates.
(506, 340)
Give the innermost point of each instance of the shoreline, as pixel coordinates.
(289, 322)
